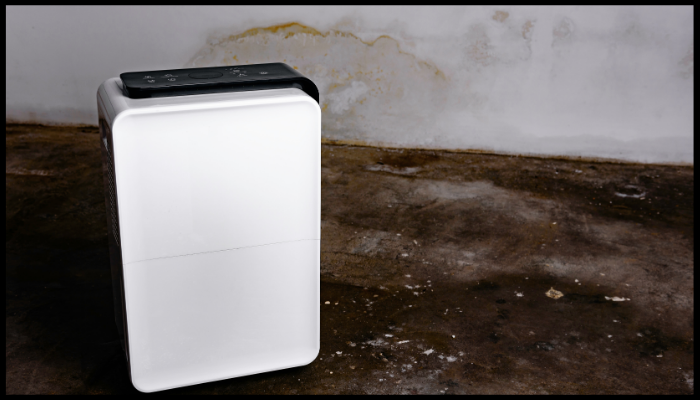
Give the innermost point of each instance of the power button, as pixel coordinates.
(205, 75)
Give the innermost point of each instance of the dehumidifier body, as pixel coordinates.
(212, 182)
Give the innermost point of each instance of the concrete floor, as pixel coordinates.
(435, 266)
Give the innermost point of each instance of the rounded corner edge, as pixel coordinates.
(100, 89)
(103, 85)
(121, 115)
(313, 356)
(138, 386)
(308, 99)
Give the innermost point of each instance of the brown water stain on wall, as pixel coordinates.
(500, 16)
(480, 50)
(527, 29)
(364, 85)
(293, 28)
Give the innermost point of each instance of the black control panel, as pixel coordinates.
(183, 82)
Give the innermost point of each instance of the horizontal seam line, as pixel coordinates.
(219, 251)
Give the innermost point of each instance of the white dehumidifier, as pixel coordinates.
(213, 194)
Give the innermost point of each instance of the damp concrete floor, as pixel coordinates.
(435, 269)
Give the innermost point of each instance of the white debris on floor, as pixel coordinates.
(617, 298)
(377, 342)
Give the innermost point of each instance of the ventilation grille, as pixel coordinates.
(112, 190)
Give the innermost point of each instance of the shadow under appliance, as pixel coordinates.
(213, 192)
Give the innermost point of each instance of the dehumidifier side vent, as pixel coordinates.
(112, 191)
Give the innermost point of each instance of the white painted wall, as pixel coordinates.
(612, 82)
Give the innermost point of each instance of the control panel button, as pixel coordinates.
(205, 75)
(171, 79)
(151, 81)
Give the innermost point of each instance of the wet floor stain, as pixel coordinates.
(435, 270)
